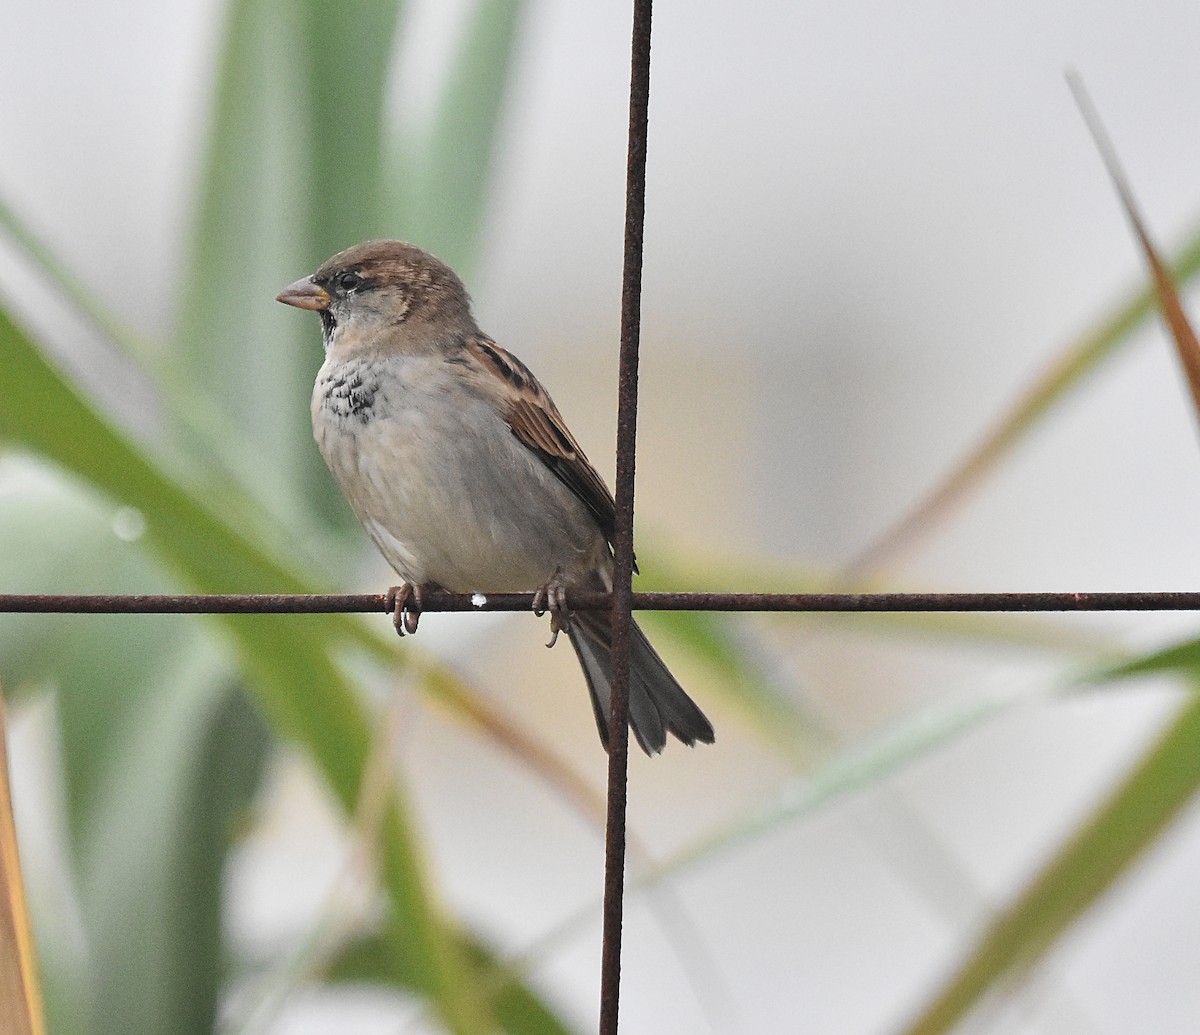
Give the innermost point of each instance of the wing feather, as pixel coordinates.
(534, 419)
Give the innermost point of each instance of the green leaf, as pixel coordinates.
(158, 754)
(348, 50)
(1065, 372)
(105, 666)
(1180, 657)
(153, 854)
(71, 287)
(446, 169)
(368, 961)
(667, 569)
(1132, 818)
(743, 673)
(732, 663)
(294, 168)
(202, 430)
(288, 658)
(856, 768)
(253, 235)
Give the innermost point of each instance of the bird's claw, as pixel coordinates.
(552, 597)
(404, 602)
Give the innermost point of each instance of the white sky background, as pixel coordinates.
(869, 224)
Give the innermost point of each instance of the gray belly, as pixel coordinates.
(445, 490)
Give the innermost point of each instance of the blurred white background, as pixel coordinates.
(869, 225)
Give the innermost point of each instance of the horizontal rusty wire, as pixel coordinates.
(440, 600)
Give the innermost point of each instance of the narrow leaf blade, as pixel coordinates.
(1130, 820)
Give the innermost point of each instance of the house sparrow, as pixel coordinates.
(460, 467)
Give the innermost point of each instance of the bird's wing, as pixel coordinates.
(535, 420)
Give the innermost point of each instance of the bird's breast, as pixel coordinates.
(348, 391)
(441, 484)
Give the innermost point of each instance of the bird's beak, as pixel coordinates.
(304, 294)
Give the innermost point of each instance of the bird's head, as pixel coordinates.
(384, 293)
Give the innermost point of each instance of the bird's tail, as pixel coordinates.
(657, 703)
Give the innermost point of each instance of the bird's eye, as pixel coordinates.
(348, 281)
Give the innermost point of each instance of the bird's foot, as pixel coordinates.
(404, 602)
(552, 597)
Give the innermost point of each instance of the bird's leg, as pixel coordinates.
(552, 597)
(404, 601)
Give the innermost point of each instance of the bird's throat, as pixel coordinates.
(328, 326)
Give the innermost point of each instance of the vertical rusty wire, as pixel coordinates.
(631, 315)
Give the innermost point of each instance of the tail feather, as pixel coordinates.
(657, 703)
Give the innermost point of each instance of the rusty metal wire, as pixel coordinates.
(622, 603)
(440, 600)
